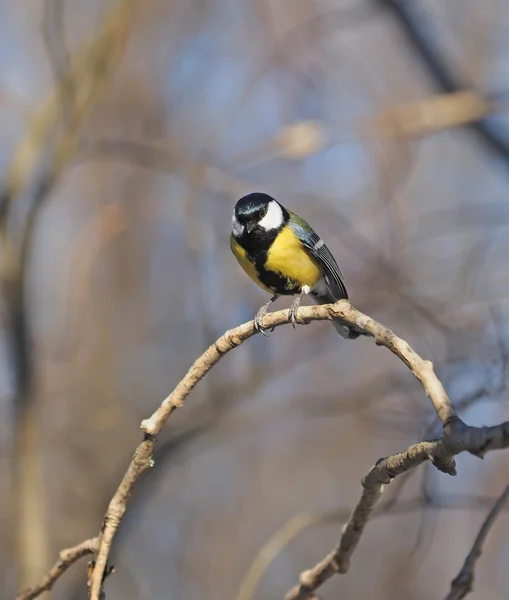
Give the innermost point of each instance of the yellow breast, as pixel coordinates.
(287, 257)
(245, 263)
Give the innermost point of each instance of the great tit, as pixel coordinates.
(284, 256)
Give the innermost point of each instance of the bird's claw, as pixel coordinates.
(258, 321)
(293, 312)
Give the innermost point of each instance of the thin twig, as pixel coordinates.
(298, 523)
(461, 438)
(462, 584)
(66, 558)
(268, 552)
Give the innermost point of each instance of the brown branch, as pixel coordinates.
(441, 453)
(429, 115)
(300, 522)
(422, 369)
(142, 459)
(66, 558)
(462, 584)
(458, 437)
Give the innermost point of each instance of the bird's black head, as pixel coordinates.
(252, 207)
(257, 210)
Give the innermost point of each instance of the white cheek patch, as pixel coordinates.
(274, 217)
(237, 228)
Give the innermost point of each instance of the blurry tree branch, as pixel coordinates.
(268, 552)
(40, 158)
(429, 115)
(304, 138)
(415, 26)
(54, 38)
(457, 437)
(462, 584)
(89, 72)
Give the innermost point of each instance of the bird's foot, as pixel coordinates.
(293, 311)
(258, 320)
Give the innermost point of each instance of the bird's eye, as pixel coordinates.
(264, 211)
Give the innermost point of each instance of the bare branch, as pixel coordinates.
(476, 440)
(462, 584)
(66, 558)
(298, 523)
(422, 369)
(142, 459)
(457, 438)
(338, 561)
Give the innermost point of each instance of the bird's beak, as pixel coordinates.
(250, 226)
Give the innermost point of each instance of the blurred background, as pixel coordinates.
(128, 131)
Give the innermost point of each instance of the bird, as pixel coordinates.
(284, 256)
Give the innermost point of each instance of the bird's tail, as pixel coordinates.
(345, 331)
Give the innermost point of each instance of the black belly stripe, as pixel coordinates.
(275, 282)
(256, 245)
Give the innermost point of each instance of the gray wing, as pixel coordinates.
(317, 248)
